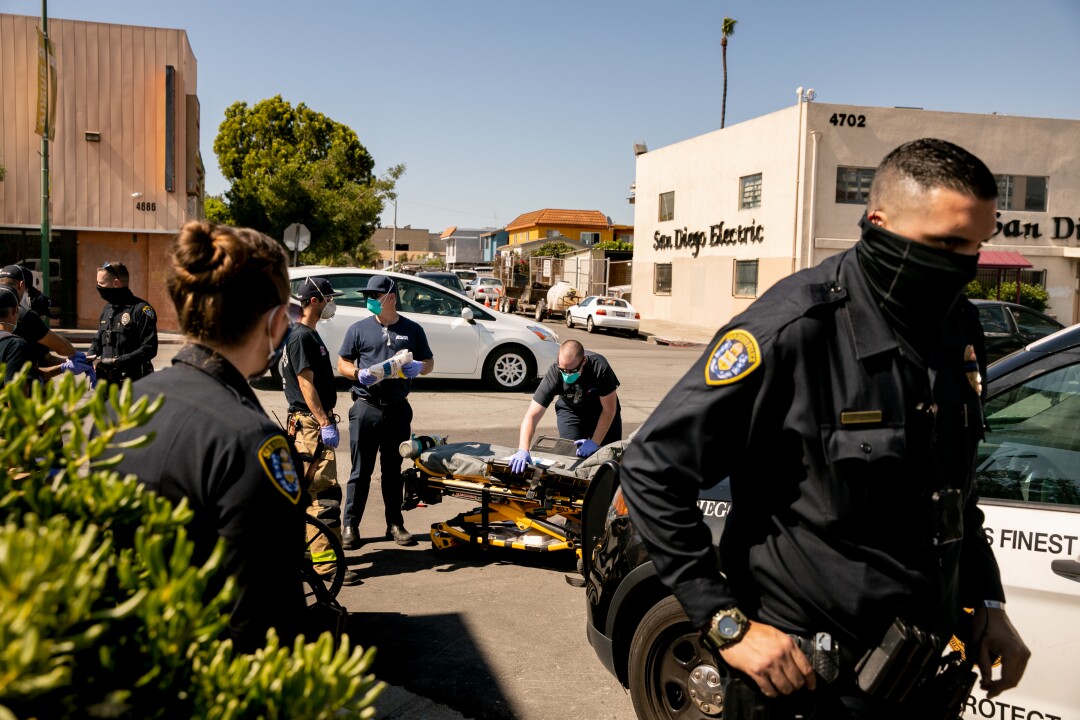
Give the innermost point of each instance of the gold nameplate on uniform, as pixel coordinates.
(860, 417)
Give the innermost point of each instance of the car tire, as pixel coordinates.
(541, 311)
(569, 320)
(589, 325)
(509, 368)
(631, 333)
(665, 652)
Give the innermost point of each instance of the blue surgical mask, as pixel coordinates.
(570, 378)
(374, 306)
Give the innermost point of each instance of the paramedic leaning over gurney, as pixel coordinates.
(845, 407)
(588, 409)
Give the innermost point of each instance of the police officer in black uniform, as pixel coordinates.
(380, 418)
(127, 340)
(214, 444)
(845, 406)
(587, 411)
(14, 350)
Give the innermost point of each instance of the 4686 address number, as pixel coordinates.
(146, 206)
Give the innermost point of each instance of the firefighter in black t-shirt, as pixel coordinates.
(14, 351)
(308, 379)
(588, 409)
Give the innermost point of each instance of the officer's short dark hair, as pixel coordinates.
(117, 269)
(933, 163)
(223, 279)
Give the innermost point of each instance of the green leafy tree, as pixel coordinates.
(216, 210)
(614, 245)
(727, 30)
(554, 248)
(291, 164)
(102, 612)
(1032, 296)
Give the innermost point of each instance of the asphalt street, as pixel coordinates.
(486, 634)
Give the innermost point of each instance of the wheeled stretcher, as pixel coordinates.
(537, 510)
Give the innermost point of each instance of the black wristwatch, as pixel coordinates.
(727, 627)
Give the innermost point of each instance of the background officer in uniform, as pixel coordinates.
(380, 418)
(214, 444)
(588, 410)
(308, 379)
(845, 406)
(14, 350)
(127, 340)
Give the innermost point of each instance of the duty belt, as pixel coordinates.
(375, 402)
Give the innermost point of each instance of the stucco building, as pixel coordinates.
(125, 167)
(721, 217)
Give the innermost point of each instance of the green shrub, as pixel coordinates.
(1032, 296)
(975, 291)
(102, 613)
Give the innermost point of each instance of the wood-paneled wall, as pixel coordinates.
(111, 80)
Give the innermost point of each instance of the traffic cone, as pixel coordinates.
(487, 301)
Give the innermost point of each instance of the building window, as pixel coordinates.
(667, 206)
(746, 278)
(750, 191)
(1021, 192)
(853, 185)
(662, 279)
(590, 238)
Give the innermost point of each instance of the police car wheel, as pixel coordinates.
(672, 675)
(509, 368)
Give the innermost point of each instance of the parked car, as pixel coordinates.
(466, 276)
(1028, 475)
(608, 313)
(483, 288)
(446, 279)
(1008, 327)
(467, 339)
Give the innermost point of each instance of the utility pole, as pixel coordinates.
(393, 237)
(45, 230)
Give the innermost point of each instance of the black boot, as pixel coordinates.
(350, 538)
(400, 535)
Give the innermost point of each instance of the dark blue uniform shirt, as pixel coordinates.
(835, 433)
(367, 343)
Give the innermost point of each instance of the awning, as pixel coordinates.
(1002, 260)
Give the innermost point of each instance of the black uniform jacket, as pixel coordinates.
(835, 434)
(215, 446)
(128, 331)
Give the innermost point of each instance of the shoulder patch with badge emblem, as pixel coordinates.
(277, 462)
(149, 311)
(735, 356)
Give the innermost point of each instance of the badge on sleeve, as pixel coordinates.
(149, 311)
(735, 356)
(277, 462)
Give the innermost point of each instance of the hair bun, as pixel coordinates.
(207, 255)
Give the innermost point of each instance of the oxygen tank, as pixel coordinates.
(411, 449)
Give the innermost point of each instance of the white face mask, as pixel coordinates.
(328, 310)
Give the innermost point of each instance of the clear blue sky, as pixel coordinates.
(503, 107)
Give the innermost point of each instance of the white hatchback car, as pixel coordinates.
(468, 340)
(604, 312)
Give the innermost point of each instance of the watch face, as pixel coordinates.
(728, 626)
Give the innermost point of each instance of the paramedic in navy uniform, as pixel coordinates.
(845, 406)
(587, 410)
(380, 418)
(214, 444)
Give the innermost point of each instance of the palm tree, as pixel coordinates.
(727, 29)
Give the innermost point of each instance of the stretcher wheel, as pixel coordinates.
(317, 585)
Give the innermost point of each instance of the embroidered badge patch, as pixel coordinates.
(149, 312)
(276, 461)
(735, 356)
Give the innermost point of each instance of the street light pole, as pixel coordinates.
(393, 237)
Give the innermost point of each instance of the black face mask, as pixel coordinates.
(114, 296)
(913, 284)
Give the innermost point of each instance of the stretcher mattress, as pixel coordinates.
(472, 460)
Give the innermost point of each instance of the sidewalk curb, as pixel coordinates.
(656, 340)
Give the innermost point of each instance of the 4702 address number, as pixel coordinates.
(842, 119)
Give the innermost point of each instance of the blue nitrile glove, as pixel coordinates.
(364, 377)
(519, 461)
(586, 447)
(329, 435)
(412, 369)
(76, 366)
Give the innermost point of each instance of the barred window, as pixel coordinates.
(750, 191)
(667, 206)
(662, 279)
(746, 272)
(853, 185)
(1022, 192)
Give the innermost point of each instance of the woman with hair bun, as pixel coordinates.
(214, 444)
